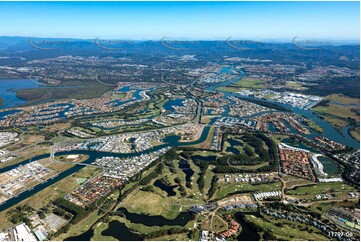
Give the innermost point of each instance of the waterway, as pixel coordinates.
(329, 131)
(93, 155)
(8, 89)
(173, 140)
(8, 112)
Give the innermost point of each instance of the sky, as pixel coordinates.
(181, 20)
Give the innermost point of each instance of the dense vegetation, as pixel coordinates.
(78, 212)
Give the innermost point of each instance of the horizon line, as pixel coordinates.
(185, 39)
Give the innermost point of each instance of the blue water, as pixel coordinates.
(342, 104)
(329, 131)
(8, 94)
(233, 143)
(170, 103)
(5, 113)
(136, 96)
(171, 140)
(186, 168)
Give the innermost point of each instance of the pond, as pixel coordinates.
(86, 236)
(120, 231)
(204, 158)
(169, 105)
(186, 168)
(232, 148)
(329, 166)
(168, 189)
(247, 234)
(157, 220)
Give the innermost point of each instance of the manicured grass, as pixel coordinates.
(152, 205)
(173, 237)
(283, 231)
(100, 227)
(208, 180)
(218, 224)
(223, 190)
(81, 227)
(322, 188)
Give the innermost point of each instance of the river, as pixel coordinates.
(329, 132)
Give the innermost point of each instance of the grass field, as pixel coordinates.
(52, 192)
(218, 224)
(322, 188)
(208, 180)
(313, 125)
(355, 133)
(338, 109)
(282, 230)
(243, 84)
(223, 189)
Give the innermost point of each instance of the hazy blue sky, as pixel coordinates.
(193, 20)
